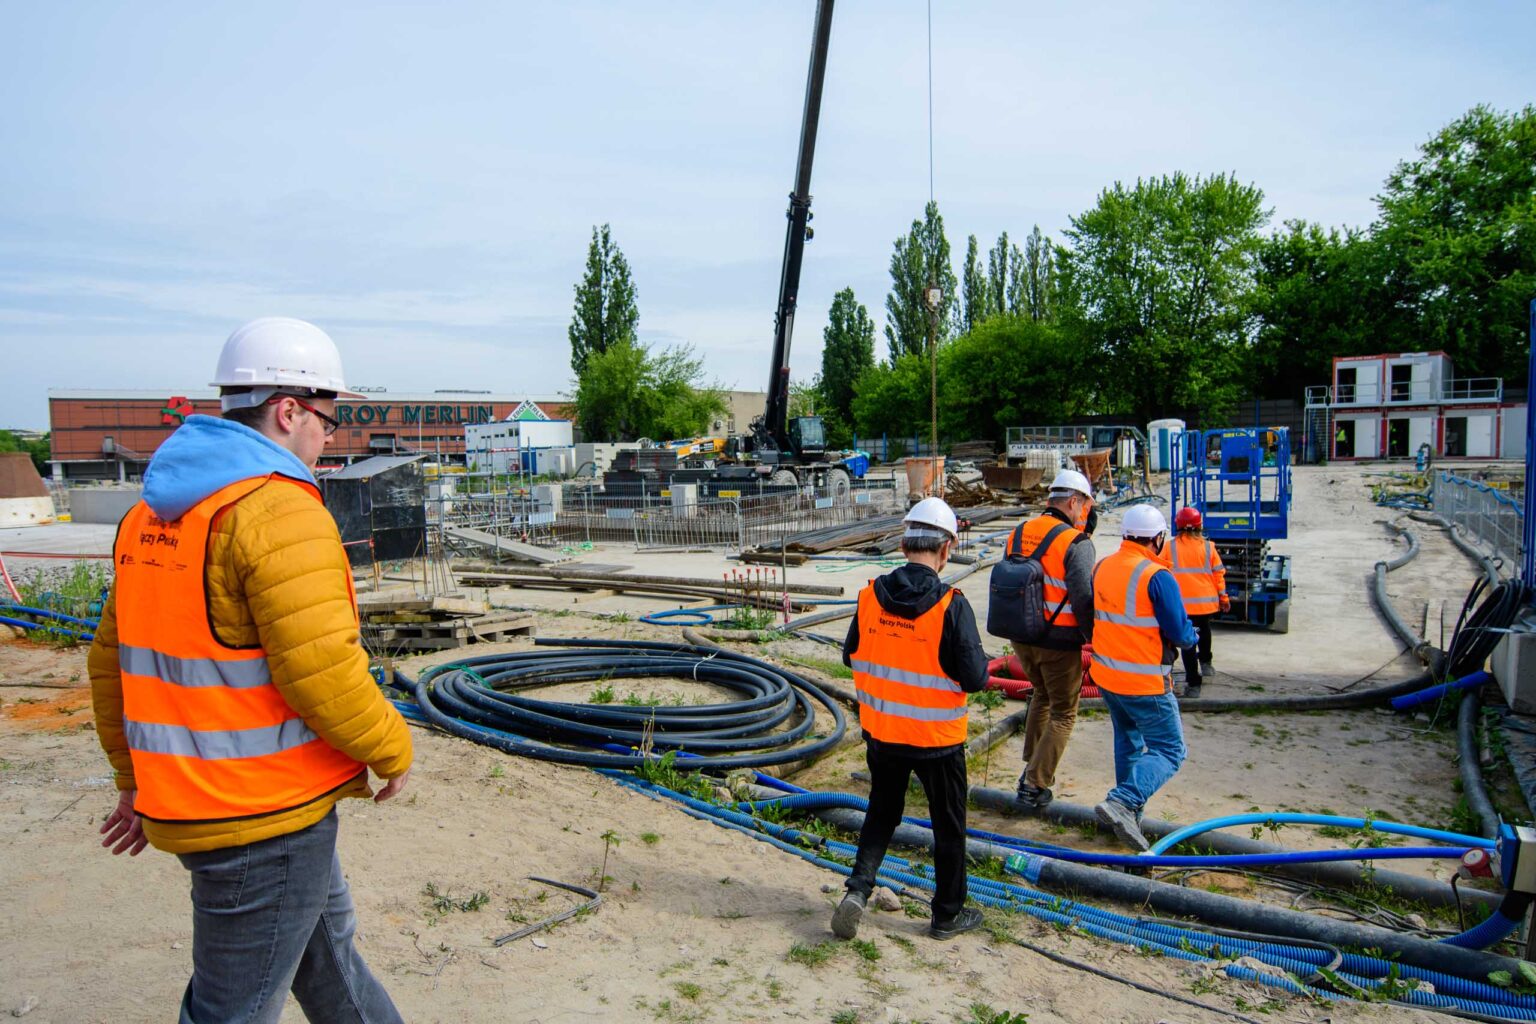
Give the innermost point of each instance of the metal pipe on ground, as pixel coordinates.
(1213, 908)
(823, 589)
(1339, 874)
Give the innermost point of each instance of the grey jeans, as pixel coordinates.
(271, 917)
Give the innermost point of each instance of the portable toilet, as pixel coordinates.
(1161, 436)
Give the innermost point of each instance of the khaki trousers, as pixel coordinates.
(1058, 680)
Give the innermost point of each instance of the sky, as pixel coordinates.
(422, 180)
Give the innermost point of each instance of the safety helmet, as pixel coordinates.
(278, 353)
(932, 512)
(1070, 481)
(1188, 518)
(1143, 521)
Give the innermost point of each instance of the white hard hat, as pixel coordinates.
(934, 512)
(1143, 521)
(1071, 480)
(278, 353)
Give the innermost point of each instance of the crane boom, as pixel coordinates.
(772, 430)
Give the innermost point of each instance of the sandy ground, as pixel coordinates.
(700, 922)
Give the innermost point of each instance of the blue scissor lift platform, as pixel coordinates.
(1240, 482)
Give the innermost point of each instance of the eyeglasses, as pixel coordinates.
(331, 423)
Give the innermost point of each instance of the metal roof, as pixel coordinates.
(372, 467)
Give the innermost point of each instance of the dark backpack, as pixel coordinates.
(1016, 607)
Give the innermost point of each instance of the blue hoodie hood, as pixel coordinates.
(206, 454)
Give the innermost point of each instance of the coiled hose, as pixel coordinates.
(772, 723)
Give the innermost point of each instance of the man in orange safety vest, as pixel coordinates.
(915, 654)
(1202, 580)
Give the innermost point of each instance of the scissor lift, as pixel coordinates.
(1240, 482)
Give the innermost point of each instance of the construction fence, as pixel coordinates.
(1488, 515)
(651, 519)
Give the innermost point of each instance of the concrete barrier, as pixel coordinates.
(102, 504)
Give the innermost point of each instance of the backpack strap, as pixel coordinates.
(1045, 542)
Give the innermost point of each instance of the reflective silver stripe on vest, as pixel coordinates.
(217, 744)
(142, 661)
(1196, 604)
(906, 677)
(1052, 581)
(1199, 570)
(913, 711)
(1129, 618)
(1133, 667)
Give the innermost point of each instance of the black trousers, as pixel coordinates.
(944, 781)
(1202, 649)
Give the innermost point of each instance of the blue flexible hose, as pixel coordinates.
(1367, 974)
(1173, 839)
(1434, 693)
(43, 627)
(48, 613)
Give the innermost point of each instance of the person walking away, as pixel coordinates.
(1057, 539)
(915, 654)
(232, 694)
(1138, 620)
(1202, 580)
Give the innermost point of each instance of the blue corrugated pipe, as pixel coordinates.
(48, 613)
(1433, 693)
(27, 624)
(1173, 839)
(1358, 971)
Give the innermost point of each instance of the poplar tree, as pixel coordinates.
(605, 313)
(920, 256)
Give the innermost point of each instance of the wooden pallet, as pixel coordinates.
(447, 634)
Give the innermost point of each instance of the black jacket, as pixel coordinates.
(909, 591)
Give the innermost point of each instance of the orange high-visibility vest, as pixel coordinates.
(210, 735)
(904, 695)
(1127, 644)
(1199, 572)
(1053, 561)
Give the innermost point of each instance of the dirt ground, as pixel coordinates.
(699, 923)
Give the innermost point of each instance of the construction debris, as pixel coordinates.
(431, 629)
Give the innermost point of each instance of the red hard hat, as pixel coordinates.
(1187, 519)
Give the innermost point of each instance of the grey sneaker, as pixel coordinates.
(1192, 693)
(1206, 670)
(845, 919)
(1123, 821)
(969, 919)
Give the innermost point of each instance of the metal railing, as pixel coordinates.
(1492, 517)
(1421, 392)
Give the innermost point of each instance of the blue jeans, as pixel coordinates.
(271, 917)
(1149, 745)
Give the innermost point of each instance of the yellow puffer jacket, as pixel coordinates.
(277, 576)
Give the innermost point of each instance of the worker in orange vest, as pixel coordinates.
(1202, 579)
(1138, 621)
(915, 654)
(1059, 539)
(232, 694)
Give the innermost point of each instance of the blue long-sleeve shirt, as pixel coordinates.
(1168, 606)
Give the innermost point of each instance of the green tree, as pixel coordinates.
(1458, 223)
(1164, 270)
(605, 313)
(977, 288)
(848, 350)
(893, 398)
(921, 256)
(41, 449)
(1003, 263)
(625, 392)
(1320, 294)
(1010, 371)
(1037, 282)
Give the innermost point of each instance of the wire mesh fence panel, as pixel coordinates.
(688, 527)
(1488, 515)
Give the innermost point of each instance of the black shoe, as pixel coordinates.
(845, 919)
(969, 919)
(1034, 799)
(1206, 669)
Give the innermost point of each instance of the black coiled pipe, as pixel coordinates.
(478, 699)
